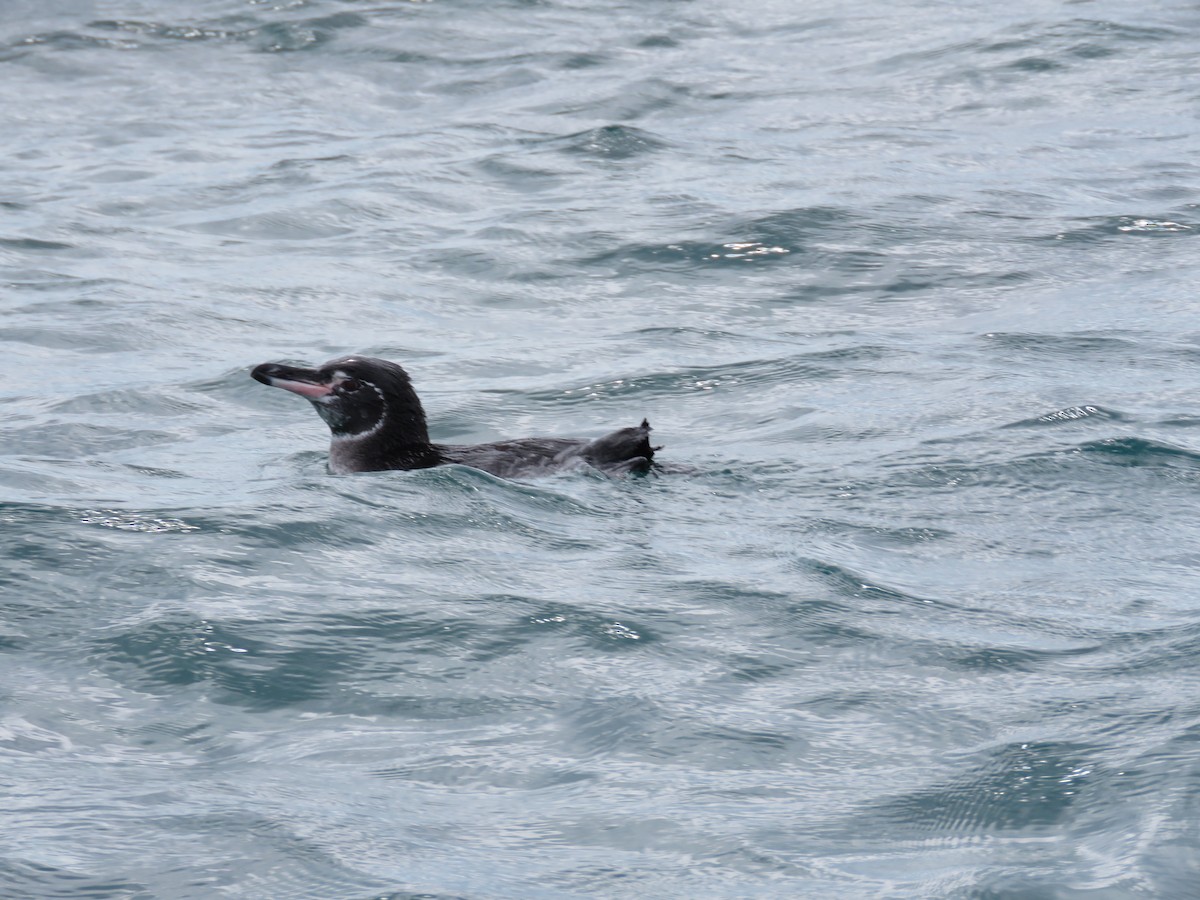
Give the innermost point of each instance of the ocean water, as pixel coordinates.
(908, 293)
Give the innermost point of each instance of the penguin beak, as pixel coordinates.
(305, 382)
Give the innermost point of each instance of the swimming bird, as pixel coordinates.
(378, 423)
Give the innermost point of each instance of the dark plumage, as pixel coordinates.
(378, 423)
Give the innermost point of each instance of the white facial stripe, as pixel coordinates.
(338, 376)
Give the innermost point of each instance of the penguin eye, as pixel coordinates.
(350, 385)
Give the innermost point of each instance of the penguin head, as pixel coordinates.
(357, 396)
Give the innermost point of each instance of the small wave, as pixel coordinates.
(1045, 470)
(23, 878)
(824, 365)
(1018, 787)
(267, 664)
(274, 37)
(1074, 346)
(1105, 228)
(295, 225)
(35, 244)
(126, 521)
(772, 237)
(1070, 415)
(77, 440)
(610, 142)
(853, 585)
(1135, 451)
(984, 660)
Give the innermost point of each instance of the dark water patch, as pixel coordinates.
(710, 592)
(1078, 38)
(520, 177)
(632, 727)
(305, 34)
(61, 41)
(702, 339)
(237, 28)
(380, 634)
(532, 500)
(145, 471)
(104, 296)
(796, 228)
(130, 403)
(779, 236)
(480, 503)
(1074, 346)
(1071, 468)
(1099, 229)
(757, 669)
(272, 664)
(164, 654)
(891, 281)
(690, 253)
(13, 641)
(434, 705)
(85, 337)
(1026, 788)
(29, 879)
(609, 142)
(839, 703)
(583, 60)
(996, 660)
(121, 175)
(1085, 39)
(35, 544)
(296, 531)
(1140, 452)
(872, 533)
(914, 536)
(168, 735)
(821, 366)
(605, 880)
(596, 631)
(1034, 64)
(296, 861)
(828, 623)
(724, 748)
(1184, 421)
(1085, 414)
(1051, 48)
(1115, 31)
(35, 244)
(658, 41)
(77, 440)
(852, 585)
(271, 37)
(305, 164)
(1173, 650)
(610, 636)
(642, 98)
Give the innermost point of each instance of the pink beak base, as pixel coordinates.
(303, 388)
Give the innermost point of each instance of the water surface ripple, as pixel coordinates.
(907, 294)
